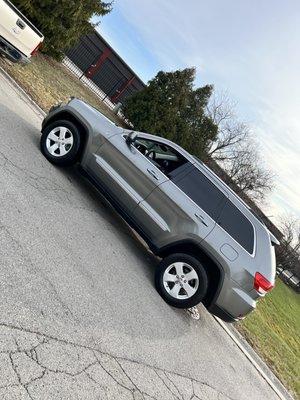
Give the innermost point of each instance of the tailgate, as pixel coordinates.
(17, 30)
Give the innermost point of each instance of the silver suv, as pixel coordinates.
(213, 249)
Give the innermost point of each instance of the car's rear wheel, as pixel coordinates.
(181, 280)
(60, 142)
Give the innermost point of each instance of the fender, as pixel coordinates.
(196, 249)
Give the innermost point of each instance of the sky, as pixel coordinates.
(249, 49)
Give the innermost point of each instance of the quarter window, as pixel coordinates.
(203, 192)
(233, 221)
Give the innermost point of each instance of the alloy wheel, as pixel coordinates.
(59, 141)
(180, 280)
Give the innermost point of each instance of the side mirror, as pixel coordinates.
(131, 137)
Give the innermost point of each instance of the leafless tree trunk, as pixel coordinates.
(231, 131)
(236, 150)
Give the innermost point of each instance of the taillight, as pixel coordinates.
(36, 49)
(261, 284)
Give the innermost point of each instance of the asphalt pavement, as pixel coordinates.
(79, 314)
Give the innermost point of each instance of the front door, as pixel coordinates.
(126, 173)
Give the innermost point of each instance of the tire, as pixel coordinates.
(60, 143)
(196, 288)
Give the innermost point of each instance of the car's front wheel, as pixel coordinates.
(181, 280)
(60, 142)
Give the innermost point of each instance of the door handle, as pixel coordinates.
(21, 24)
(153, 174)
(201, 219)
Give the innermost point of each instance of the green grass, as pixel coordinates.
(48, 82)
(274, 332)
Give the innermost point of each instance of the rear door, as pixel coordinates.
(186, 207)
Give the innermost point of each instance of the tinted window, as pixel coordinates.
(202, 191)
(238, 226)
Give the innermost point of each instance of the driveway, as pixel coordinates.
(79, 315)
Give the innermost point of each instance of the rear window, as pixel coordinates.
(233, 221)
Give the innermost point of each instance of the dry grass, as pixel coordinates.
(48, 82)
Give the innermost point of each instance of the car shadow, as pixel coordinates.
(122, 229)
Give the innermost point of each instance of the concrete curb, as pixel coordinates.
(256, 361)
(23, 93)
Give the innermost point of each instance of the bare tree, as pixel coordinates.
(231, 131)
(288, 253)
(246, 169)
(236, 151)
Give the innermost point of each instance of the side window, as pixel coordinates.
(203, 192)
(162, 156)
(233, 221)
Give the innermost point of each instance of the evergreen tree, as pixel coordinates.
(170, 107)
(62, 22)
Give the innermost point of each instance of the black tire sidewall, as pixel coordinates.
(72, 156)
(203, 280)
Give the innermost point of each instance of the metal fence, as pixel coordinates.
(100, 68)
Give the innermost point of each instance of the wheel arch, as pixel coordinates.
(213, 268)
(69, 116)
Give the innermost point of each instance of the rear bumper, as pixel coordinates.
(222, 314)
(233, 303)
(12, 53)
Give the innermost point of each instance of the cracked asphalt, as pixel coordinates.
(79, 315)
(35, 366)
